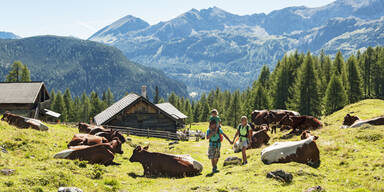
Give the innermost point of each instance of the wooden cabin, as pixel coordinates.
(29, 99)
(138, 112)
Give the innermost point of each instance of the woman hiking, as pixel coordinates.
(244, 131)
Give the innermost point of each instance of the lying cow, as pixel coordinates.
(86, 139)
(103, 153)
(23, 122)
(258, 139)
(304, 151)
(159, 164)
(91, 129)
(354, 121)
(298, 124)
(109, 135)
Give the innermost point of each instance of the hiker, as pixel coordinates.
(215, 136)
(244, 132)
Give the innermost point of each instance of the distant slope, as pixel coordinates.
(8, 35)
(212, 48)
(63, 62)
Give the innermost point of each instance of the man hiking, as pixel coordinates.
(214, 134)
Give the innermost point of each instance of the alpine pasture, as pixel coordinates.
(352, 159)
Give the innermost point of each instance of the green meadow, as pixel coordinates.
(352, 159)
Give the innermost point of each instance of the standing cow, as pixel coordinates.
(159, 164)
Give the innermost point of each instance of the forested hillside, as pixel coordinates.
(63, 62)
(310, 84)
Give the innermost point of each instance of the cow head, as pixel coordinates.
(119, 135)
(306, 134)
(83, 127)
(350, 119)
(5, 116)
(116, 145)
(138, 154)
(286, 120)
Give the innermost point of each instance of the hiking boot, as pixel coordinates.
(244, 163)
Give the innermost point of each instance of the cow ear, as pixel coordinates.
(146, 147)
(138, 148)
(315, 138)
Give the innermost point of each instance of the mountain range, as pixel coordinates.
(8, 35)
(82, 65)
(212, 48)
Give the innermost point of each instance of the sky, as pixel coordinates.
(82, 18)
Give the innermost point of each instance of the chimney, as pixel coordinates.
(144, 91)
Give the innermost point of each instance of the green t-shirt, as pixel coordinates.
(214, 141)
(217, 119)
(244, 131)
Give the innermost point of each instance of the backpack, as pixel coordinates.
(219, 140)
(246, 135)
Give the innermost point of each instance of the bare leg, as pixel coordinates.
(244, 154)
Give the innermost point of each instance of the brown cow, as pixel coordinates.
(96, 154)
(258, 118)
(109, 135)
(90, 129)
(86, 139)
(23, 122)
(350, 119)
(304, 151)
(275, 116)
(300, 123)
(159, 164)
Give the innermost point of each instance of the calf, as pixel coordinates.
(159, 164)
(300, 123)
(304, 151)
(96, 154)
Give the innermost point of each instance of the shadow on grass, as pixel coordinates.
(134, 175)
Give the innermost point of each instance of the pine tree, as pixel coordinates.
(354, 81)
(25, 74)
(234, 110)
(189, 112)
(157, 97)
(59, 106)
(366, 63)
(205, 109)
(196, 112)
(281, 87)
(86, 108)
(264, 77)
(97, 104)
(335, 96)
(110, 98)
(306, 98)
(339, 67)
(77, 107)
(260, 99)
(15, 74)
(68, 101)
(52, 98)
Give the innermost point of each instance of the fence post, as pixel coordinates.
(148, 132)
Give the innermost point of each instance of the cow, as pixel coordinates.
(259, 118)
(23, 122)
(109, 135)
(103, 153)
(374, 121)
(304, 151)
(91, 129)
(350, 119)
(275, 116)
(300, 123)
(258, 139)
(86, 139)
(160, 164)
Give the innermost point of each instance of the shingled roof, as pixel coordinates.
(171, 110)
(166, 108)
(115, 108)
(17, 93)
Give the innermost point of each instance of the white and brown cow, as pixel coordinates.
(304, 151)
(160, 164)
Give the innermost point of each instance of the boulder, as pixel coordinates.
(315, 189)
(232, 161)
(280, 175)
(7, 171)
(69, 189)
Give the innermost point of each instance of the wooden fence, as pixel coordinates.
(145, 132)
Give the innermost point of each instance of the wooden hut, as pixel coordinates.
(136, 111)
(30, 99)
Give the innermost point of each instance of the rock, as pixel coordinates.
(69, 189)
(7, 171)
(280, 175)
(173, 143)
(315, 189)
(232, 161)
(2, 148)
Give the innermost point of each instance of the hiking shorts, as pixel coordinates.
(213, 152)
(243, 144)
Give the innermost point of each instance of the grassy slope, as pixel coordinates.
(352, 160)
